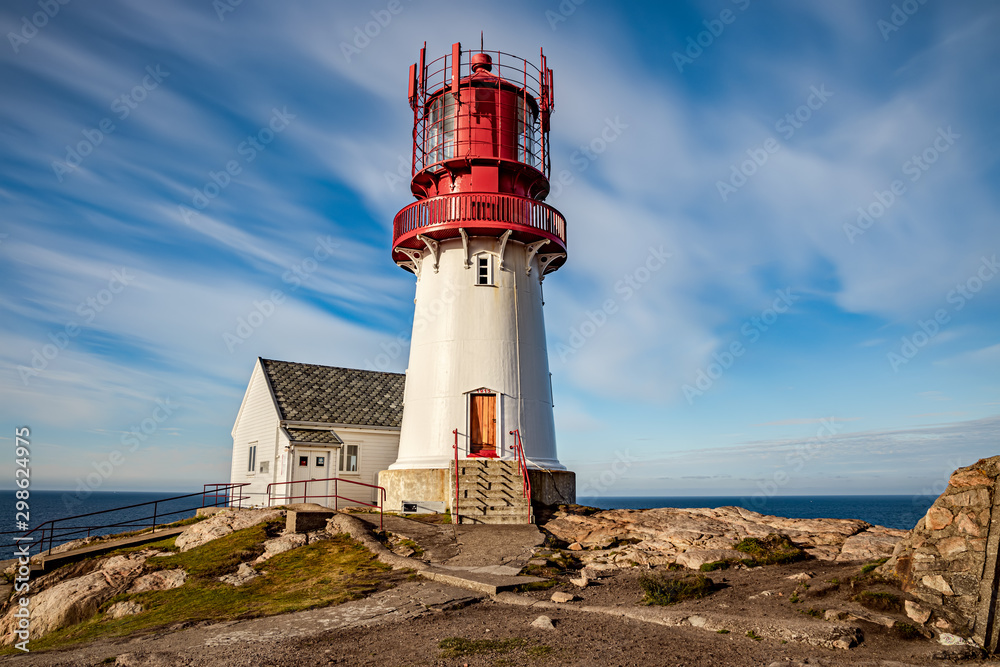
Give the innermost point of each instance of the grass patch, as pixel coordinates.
(754, 636)
(663, 589)
(774, 549)
(868, 567)
(794, 599)
(723, 631)
(536, 586)
(324, 573)
(878, 601)
(906, 631)
(714, 565)
(815, 613)
(457, 647)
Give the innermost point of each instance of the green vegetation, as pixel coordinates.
(906, 631)
(868, 567)
(794, 599)
(323, 573)
(714, 565)
(456, 647)
(815, 613)
(663, 589)
(754, 636)
(878, 601)
(774, 549)
(723, 631)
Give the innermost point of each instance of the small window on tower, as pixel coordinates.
(484, 269)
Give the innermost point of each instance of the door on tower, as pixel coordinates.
(311, 464)
(483, 425)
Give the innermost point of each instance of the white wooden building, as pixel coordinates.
(301, 422)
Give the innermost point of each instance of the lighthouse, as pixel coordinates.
(479, 240)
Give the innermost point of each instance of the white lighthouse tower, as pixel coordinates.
(480, 241)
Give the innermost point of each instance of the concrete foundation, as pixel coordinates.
(548, 487)
(307, 517)
(420, 484)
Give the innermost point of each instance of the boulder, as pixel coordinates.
(222, 524)
(695, 558)
(162, 580)
(280, 545)
(870, 544)
(543, 623)
(123, 609)
(559, 596)
(243, 575)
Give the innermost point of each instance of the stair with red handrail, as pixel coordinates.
(494, 491)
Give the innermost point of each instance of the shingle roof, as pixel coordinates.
(313, 393)
(313, 435)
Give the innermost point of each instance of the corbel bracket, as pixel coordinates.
(533, 249)
(432, 247)
(465, 247)
(545, 260)
(416, 259)
(503, 244)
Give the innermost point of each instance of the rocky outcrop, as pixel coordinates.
(123, 609)
(948, 562)
(691, 537)
(280, 545)
(222, 524)
(243, 575)
(162, 580)
(76, 599)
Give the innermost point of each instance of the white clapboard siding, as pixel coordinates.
(257, 421)
(377, 452)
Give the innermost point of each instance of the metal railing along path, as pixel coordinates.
(335, 495)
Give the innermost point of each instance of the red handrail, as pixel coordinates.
(522, 462)
(454, 514)
(335, 495)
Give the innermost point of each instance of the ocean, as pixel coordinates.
(901, 512)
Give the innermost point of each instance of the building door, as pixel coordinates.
(483, 426)
(310, 464)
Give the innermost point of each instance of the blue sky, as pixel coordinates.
(169, 169)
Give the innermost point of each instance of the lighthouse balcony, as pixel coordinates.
(479, 214)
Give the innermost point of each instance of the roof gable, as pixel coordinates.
(332, 395)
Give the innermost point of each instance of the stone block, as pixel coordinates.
(952, 546)
(916, 612)
(937, 583)
(938, 518)
(307, 518)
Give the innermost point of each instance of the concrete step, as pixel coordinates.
(493, 511)
(495, 520)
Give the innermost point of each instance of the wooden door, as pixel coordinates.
(483, 426)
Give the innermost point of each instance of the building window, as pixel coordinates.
(252, 458)
(303, 461)
(320, 461)
(349, 458)
(484, 269)
(265, 466)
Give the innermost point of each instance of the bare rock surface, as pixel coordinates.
(76, 599)
(663, 536)
(222, 524)
(245, 574)
(161, 580)
(123, 609)
(280, 545)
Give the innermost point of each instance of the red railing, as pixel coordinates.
(57, 531)
(454, 513)
(522, 462)
(486, 209)
(335, 495)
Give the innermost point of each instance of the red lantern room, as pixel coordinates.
(480, 154)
